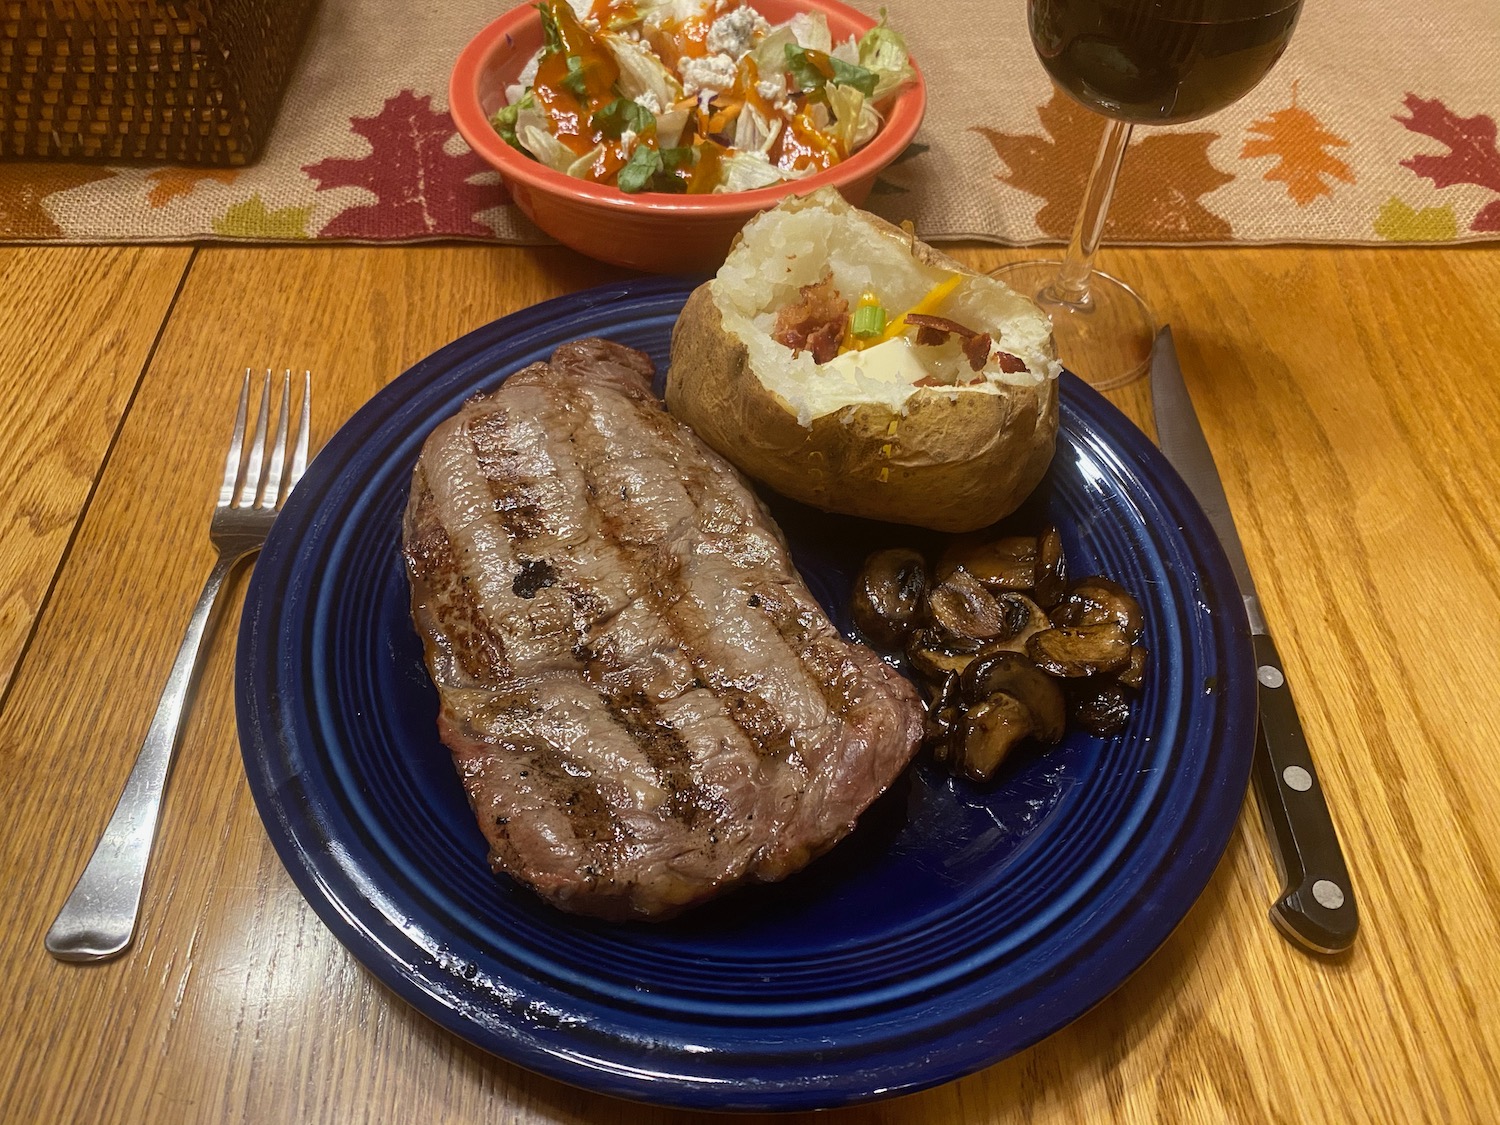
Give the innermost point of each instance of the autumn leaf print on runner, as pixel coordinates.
(1472, 157)
(420, 189)
(1158, 192)
(24, 186)
(252, 219)
(168, 184)
(1398, 221)
(1300, 144)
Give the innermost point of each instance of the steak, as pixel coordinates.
(643, 701)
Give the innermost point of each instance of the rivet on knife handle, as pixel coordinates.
(1316, 906)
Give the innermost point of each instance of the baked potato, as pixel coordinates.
(947, 420)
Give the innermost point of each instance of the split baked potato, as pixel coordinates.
(947, 420)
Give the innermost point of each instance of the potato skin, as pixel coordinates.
(956, 461)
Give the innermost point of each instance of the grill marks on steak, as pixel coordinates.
(671, 713)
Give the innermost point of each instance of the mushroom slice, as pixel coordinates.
(1022, 617)
(1089, 650)
(1013, 674)
(940, 732)
(1051, 568)
(1095, 600)
(991, 730)
(1101, 708)
(1008, 563)
(933, 659)
(1133, 675)
(963, 609)
(889, 593)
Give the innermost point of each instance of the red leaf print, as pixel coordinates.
(1472, 157)
(1488, 218)
(419, 188)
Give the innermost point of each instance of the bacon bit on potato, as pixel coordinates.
(933, 330)
(940, 325)
(817, 322)
(1010, 364)
(977, 349)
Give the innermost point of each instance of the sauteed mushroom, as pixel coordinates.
(1023, 619)
(1051, 568)
(1133, 675)
(1095, 600)
(991, 730)
(943, 718)
(963, 609)
(1088, 650)
(889, 594)
(1100, 708)
(933, 658)
(1010, 672)
(1001, 564)
(999, 668)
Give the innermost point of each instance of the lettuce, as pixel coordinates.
(883, 51)
(642, 72)
(745, 171)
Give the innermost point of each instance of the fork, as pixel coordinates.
(98, 921)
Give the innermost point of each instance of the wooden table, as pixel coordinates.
(1351, 399)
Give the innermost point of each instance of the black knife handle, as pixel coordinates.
(1316, 906)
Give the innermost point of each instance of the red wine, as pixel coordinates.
(1160, 60)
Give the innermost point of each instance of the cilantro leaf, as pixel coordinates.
(504, 123)
(650, 169)
(847, 74)
(643, 166)
(550, 33)
(802, 69)
(620, 115)
(575, 80)
(807, 70)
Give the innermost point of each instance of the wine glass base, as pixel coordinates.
(1104, 337)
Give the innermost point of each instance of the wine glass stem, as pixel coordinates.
(1072, 283)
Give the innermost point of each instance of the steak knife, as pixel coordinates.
(1315, 909)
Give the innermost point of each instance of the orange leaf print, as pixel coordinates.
(24, 186)
(1299, 142)
(1156, 197)
(169, 183)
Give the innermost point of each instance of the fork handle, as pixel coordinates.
(98, 920)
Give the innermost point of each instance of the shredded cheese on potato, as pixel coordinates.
(926, 306)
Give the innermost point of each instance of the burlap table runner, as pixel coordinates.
(1378, 125)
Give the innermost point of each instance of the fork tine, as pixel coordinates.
(272, 491)
(236, 446)
(251, 483)
(304, 425)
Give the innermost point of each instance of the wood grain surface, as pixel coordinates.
(78, 324)
(1350, 398)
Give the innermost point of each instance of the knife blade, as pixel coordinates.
(1316, 908)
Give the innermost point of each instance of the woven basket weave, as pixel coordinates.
(181, 81)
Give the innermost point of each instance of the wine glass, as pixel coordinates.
(1135, 62)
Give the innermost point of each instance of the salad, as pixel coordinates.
(696, 95)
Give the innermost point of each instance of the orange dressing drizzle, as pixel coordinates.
(568, 114)
(801, 146)
(707, 170)
(613, 14)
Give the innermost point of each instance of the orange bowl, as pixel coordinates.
(650, 231)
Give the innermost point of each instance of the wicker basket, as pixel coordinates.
(183, 81)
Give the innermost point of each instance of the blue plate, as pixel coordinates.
(954, 927)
